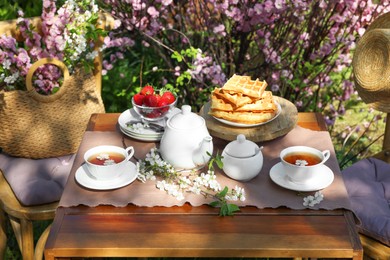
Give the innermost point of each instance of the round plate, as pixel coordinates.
(130, 114)
(279, 126)
(84, 178)
(324, 179)
(227, 122)
(148, 138)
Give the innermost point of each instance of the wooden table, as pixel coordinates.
(187, 231)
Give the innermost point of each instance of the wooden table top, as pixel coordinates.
(186, 231)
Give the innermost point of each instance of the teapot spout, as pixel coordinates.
(203, 153)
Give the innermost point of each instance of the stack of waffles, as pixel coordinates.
(242, 100)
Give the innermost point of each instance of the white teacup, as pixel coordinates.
(107, 162)
(301, 163)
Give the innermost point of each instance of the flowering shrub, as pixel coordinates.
(68, 34)
(301, 48)
(176, 184)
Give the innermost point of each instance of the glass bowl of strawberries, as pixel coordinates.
(153, 104)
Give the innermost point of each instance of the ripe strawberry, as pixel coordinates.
(163, 103)
(154, 114)
(151, 101)
(139, 99)
(147, 90)
(158, 97)
(169, 97)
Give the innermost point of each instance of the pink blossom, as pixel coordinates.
(8, 42)
(47, 4)
(107, 66)
(279, 4)
(268, 6)
(166, 2)
(60, 42)
(220, 29)
(119, 55)
(117, 24)
(153, 12)
(22, 57)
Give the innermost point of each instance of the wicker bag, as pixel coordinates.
(38, 126)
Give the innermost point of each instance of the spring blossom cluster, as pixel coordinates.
(67, 34)
(312, 200)
(176, 183)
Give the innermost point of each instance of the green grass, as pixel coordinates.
(12, 250)
(351, 140)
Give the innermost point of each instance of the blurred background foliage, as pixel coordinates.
(9, 8)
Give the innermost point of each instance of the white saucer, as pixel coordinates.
(143, 133)
(149, 138)
(227, 122)
(84, 178)
(324, 179)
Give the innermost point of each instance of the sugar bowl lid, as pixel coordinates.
(241, 148)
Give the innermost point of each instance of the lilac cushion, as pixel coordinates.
(38, 181)
(368, 186)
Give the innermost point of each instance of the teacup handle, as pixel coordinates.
(129, 152)
(326, 154)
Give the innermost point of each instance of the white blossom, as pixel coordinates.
(311, 201)
(12, 78)
(103, 156)
(109, 162)
(7, 64)
(301, 162)
(91, 55)
(176, 184)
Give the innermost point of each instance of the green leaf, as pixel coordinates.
(218, 160)
(176, 55)
(215, 203)
(223, 193)
(224, 210)
(55, 89)
(233, 208)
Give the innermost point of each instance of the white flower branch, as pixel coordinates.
(176, 183)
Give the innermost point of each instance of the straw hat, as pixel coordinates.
(371, 64)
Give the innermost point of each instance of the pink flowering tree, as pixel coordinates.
(303, 49)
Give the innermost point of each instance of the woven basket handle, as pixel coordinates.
(30, 73)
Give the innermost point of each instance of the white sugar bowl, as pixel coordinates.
(242, 159)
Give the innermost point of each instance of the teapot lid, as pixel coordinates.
(186, 119)
(242, 148)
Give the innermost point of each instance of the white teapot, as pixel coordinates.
(186, 141)
(242, 159)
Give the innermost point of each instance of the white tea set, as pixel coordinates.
(187, 145)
